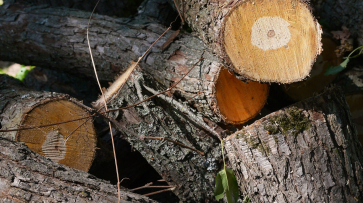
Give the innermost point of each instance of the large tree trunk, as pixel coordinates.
(28, 177)
(262, 40)
(56, 36)
(308, 152)
(71, 144)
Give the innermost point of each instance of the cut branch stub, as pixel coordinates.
(78, 151)
(239, 101)
(271, 41)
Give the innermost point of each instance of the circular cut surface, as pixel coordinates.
(272, 40)
(238, 101)
(78, 151)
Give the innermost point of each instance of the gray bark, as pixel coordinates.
(55, 38)
(190, 173)
(122, 8)
(29, 177)
(319, 163)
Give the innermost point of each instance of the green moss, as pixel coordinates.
(292, 122)
(276, 139)
(241, 134)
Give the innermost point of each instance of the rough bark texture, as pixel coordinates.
(333, 14)
(21, 108)
(122, 8)
(28, 177)
(318, 162)
(192, 174)
(56, 36)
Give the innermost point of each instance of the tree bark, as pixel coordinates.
(308, 152)
(123, 8)
(26, 176)
(71, 144)
(55, 38)
(261, 40)
(191, 173)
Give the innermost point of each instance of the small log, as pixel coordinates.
(308, 152)
(71, 144)
(262, 40)
(28, 177)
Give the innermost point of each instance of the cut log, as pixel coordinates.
(66, 143)
(308, 152)
(70, 53)
(262, 40)
(317, 80)
(28, 177)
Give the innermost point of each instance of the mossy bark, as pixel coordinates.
(315, 158)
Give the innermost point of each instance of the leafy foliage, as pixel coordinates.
(226, 183)
(336, 69)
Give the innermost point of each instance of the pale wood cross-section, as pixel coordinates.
(271, 41)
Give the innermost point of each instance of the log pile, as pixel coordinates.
(238, 45)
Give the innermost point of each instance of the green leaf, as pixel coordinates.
(219, 190)
(336, 69)
(232, 192)
(21, 73)
(226, 183)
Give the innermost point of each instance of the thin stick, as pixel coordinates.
(109, 123)
(47, 125)
(177, 8)
(160, 191)
(144, 187)
(138, 188)
(186, 111)
(175, 142)
(170, 88)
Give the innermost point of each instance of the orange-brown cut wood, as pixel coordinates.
(78, 151)
(239, 101)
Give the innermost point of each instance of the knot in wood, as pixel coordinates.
(270, 33)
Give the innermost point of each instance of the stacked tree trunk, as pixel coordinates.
(307, 152)
(260, 40)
